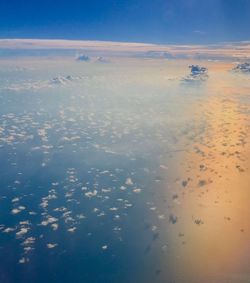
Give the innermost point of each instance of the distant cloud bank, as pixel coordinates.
(230, 51)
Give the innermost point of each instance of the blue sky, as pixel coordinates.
(157, 21)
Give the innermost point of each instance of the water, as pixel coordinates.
(123, 172)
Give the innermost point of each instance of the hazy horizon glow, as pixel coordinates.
(226, 50)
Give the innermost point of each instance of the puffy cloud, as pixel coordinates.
(17, 210)
(29, 241)
(83, 57)
(72, 230)
(104, 247)
(113, 208)
(137, 190)
(8, 230)
(242, 67)
(51, 246)
(173, 219)
(197, 73)
(196, 70)
(23, 260)
(49, 220)
(129, 182)
(91, 194)
(54, 226)
(22, 232)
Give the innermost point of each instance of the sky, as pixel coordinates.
(153, 21)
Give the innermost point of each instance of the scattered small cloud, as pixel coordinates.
(172, 218)
(105, 247)
(242, 67)
(137, 190)
(72, 230)
(129, 182)
(51, 246)
(197, 73)
(83, 57)
(22, 232)
(102, 60)
(23, 260)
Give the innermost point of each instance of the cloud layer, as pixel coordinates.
(103, 48)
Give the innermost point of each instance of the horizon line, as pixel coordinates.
(20, 39)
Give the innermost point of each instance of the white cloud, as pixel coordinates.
(8, 230)
(54, 226)
(29, 241)
(72, 230)
(129, 182)
(22, 232)
(51, 246)
(91, 194)
(137, 190)
(49, 220)
(197, 73)
(17, 210)
(104, 247)
(23, 260)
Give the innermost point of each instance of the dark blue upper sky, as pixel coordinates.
(158, 21)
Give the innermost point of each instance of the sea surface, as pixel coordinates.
(123, 171)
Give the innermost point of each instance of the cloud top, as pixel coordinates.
(83, 57)
(243, 67)
(197, 73)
